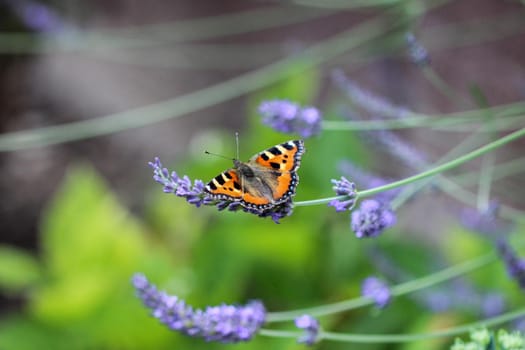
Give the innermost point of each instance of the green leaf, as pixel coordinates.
(91, 248)
(21, 333)
(86, 228)
(18, 269)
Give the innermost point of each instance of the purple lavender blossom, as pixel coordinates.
(372, 218)
(224, 323)
(377, 290)
(515, 264)
(492, 304)
(463, 296)
(276, 213)
(486, 222)
(181, 187)
(366, 100)
(311, 328)
(519, 324)
(288, 117)
(279, 211)
(231, 206)
(436, 300)
(417, 52)
(346, 188)
(37, 16)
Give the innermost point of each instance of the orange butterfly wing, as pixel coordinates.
(226, 185)
(284, 159)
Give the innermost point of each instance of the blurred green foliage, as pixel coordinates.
(77, 290)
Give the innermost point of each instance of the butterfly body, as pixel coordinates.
(268, 179)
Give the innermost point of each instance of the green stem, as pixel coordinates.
(445, 123)
(344, 4)
(462, 195)
(400, 289)
(409, 191)
(147, 115)
(501, 171)
(401, 338)
(449, 165)
(487, 161)
(431, 172)
(430, 74)
(485, 181)
(158, 33)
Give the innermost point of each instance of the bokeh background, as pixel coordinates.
(79, 217)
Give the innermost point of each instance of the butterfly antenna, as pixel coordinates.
(237, 143)
(218, 155)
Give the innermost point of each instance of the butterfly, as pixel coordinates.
(268, 179)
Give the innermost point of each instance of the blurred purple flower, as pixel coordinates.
(37, 16)
(377, 290)
(492, 304)
(486, 222)
(417, 52)
(519, 324)
(458, 294)
(366, 100)
(394, 145)
(346, 188)
(378, 107)
(289, 117)
(372, 218)
(224, 323)
(462, 296)
(515, 264)
(279, 211)
(436, 300)
(311, 328)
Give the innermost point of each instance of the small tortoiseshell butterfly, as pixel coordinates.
(268, 179)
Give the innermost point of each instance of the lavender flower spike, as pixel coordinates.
(373, 104)
(37, 16)
(515, 265)
(417, 52)
(224, 323)
(288, 117)
(487, 221)
(311, 328)
(372, 218)
(343, 187)
(377, 290)
(181, 187)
